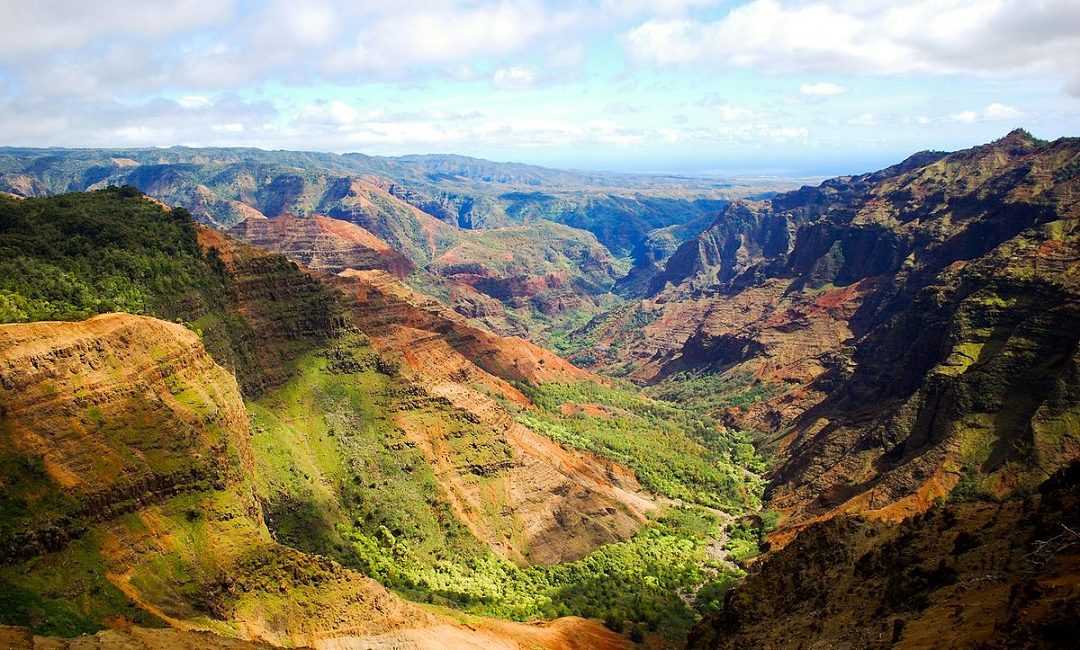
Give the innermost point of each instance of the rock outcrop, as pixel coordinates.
(323, 244)
(130, 498)
(105, 417)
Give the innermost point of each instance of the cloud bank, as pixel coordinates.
(510, 77)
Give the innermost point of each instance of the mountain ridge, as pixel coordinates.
(799, 293)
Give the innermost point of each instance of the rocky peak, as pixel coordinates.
(1018, 138)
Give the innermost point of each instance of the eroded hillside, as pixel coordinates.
(522, 250)
(371, 433)
(897, 333)
(130, 465)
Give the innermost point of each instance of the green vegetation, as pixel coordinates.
(577, 331)
(66, 595)
(559, 332)
(712, 392)
(970, 488)
(22, 501)
(76, 255)
(550, 280)
(675, 451)
(339, 477)
(1067, 172)
(663, 578)
(746, 535)
(332, 463)
(72, 256)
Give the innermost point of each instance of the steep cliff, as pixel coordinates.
(81, 405)
(128, 494)
(385, 306)
(274, 311)
(898, 333)
(915, 345)
(133, 494)
(72, 256)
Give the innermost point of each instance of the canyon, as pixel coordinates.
(306, 400)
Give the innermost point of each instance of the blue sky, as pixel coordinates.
(799, 87)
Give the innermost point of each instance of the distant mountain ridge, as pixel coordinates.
(466, 192)
(423, 207)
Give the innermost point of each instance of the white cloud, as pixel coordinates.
(341, 126)
(866, 119)
(195, 101)
(310, 22)
(821, 89)
(730, 113)
(655, 7)
(47, 26)
(109, 47)
(517, 77)
(981, 37)
(411, 75)
(334, 114)
(396, 38)
(1001, 112)
(110, 123)
(993, 112)
(232, 127)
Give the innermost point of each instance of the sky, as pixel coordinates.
(794, 87)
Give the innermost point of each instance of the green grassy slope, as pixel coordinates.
(339, 478)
